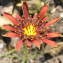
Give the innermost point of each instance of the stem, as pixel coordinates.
(7, 53)
(25, 52)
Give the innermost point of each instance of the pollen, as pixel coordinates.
(30, 30)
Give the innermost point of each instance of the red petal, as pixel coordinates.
(10, 17)
(49, 42)
(37, 43)
(45, 19)
(19, 45)
(35, 16)
(52, 22)
(43, 11)
(25, 10)
(11, 34)
(53, 34)
(28, 44)
(7, 27)
(19, 17)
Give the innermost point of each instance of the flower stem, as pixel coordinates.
(7, 53)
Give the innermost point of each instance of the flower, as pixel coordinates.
(32, 30)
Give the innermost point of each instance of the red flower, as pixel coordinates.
(31, 30)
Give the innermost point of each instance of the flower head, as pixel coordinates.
(32, 31)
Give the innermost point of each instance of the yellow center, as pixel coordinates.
(30, 30)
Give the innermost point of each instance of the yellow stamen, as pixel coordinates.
(30, 30)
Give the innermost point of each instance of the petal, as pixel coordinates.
(43, 11)
(25, 10)
(11, 34)
(37, 43)
(10, 17)
(52, 21)
(28, 44)
(35, 16)
(45, 19)
(7, 27)
(49, 42)
(19, 45)
(18, 17)
(53, 34)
